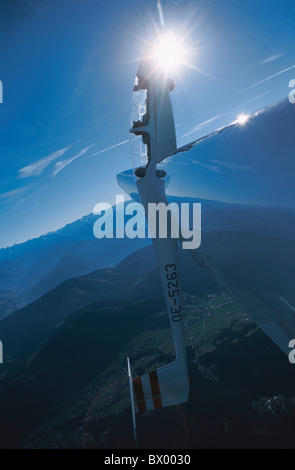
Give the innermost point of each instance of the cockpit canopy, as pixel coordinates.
(152, 128)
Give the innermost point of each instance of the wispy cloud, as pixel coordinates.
(256, 97)
(232, 166)
(269, 78)
(202, 124)
(13, 194)
(109, 148)
(182, 163)
(270, 59)
(36, 168)
(62, 164)
(214, 168)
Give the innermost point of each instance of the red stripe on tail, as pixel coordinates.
(139, 395)
(155, 389)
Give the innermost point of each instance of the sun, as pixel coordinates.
(169, 52)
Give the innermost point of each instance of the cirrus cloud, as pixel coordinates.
(63, 163)
(36, 168)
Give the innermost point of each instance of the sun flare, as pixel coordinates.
(243, 119)
(169, 52)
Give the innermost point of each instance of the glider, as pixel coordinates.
(152, 139)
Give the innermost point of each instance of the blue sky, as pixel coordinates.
(67, 68)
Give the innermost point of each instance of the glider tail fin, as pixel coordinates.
(166, 386)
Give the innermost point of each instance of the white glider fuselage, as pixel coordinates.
(153, 138)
